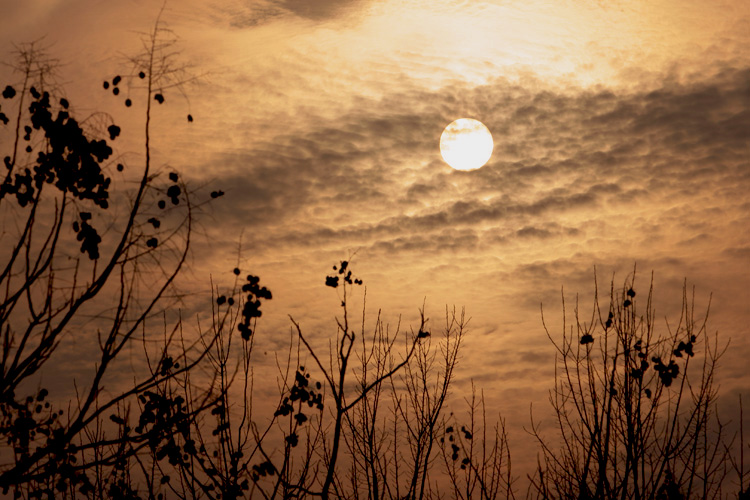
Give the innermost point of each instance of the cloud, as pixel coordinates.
(319, 9)
(371, 177)
(250, 13)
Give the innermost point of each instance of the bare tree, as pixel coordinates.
(421, 404)
(339, 369)
(635, 418)
(391, 435)
(476, 457)
(313, 440)
(54, 196)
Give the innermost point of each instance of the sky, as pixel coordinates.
(622, 142)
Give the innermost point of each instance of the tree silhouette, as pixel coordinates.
(636, 419)
(58, 188)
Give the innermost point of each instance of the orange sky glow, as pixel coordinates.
(621, 138)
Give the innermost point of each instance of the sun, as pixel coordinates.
(466, 144)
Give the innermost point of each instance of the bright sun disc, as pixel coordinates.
(466, 144)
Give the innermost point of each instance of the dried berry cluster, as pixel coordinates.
(301, 393)
(163, 418)
(345, 273)
(667, 372)
(19, 421)
(8, 93)
(454, 447)
(642, 351)
(173, 192)
(71, 162)
(263, 469)
(628, 302)
(22, 423)
(158, 96)
(251, 309)
(87, 235)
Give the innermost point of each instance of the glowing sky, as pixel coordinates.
(621, 130)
